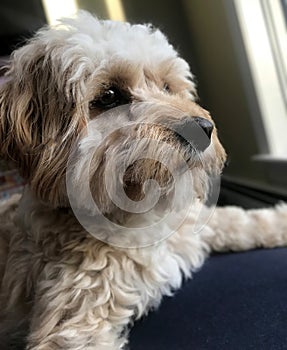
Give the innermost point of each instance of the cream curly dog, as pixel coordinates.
(111, 105)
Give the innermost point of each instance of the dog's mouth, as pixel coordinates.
(174, 154)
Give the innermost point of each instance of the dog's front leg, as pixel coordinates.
(79, 312)
(233, 228)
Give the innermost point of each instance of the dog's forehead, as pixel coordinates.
(90, 54)
(104, 39)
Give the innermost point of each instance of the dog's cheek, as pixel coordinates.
(220, 153)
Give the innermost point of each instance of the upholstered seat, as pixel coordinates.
(237, 301)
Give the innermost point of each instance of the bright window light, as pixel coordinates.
(262, 25)
(56, 9)
(115, 10)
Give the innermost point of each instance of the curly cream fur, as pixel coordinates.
(62, 288)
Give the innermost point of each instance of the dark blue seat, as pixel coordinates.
(237, 301)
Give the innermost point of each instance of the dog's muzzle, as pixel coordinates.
(194, 131)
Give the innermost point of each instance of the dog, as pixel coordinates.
(101, 119)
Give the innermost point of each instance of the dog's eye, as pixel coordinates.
(110, 98)
(166, 88)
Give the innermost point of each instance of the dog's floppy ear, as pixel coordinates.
(18, 130)
(38, 118)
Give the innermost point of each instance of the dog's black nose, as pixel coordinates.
(195, 131)
(205, 125)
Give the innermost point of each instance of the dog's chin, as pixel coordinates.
(136, 188)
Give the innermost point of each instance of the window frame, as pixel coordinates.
(265, 98)
(269, 157)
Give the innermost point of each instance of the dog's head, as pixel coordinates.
(134, 88)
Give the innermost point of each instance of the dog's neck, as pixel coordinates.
(37, 218)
